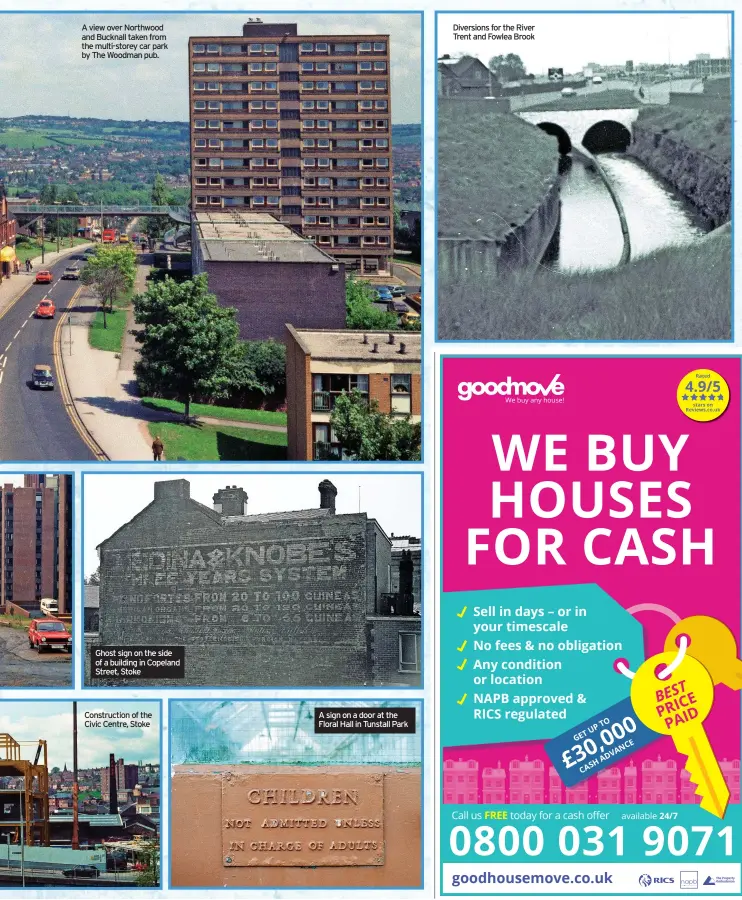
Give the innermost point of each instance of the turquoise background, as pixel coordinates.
(634, 847)
(589, 673)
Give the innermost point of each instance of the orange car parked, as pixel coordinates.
(46, 309)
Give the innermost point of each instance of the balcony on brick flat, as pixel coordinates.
(323, 450)
(324, 401)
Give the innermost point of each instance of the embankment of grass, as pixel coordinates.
(20, 623)
(258, 416)
(217, 442)
(618, 99)
(699, 129)
(111, 337)
(494, 169)
(679, 293)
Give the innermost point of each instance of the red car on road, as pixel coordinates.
(46, 309)
(49, 634)
(44, 277)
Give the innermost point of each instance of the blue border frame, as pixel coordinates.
(438, 798)
(680, 10)
(305, 13)
(163, 784)
(253, 473)
(316, 700)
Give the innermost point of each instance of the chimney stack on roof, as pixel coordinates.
(230, 501)
(327, 494)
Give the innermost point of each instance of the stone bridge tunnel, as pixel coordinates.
(596, 130)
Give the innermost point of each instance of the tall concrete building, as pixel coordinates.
(127, 777)
(300, 127)
(36, 549)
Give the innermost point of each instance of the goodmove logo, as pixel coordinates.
(509, 388)
(645, 881)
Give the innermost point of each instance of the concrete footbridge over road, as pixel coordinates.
(589, 129)
(180, 214)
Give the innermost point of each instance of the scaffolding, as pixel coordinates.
(24, 806)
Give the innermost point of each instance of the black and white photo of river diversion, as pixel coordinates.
(583, 200)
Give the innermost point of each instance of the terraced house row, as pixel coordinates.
(299, 126)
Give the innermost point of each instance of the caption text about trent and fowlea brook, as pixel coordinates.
(494, 32)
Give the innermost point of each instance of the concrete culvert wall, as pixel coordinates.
(607, 137)
(565, 144)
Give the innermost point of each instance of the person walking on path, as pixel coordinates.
(16, 267)
(157, 449)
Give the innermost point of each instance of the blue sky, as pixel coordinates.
(31, 720)
(62, 83)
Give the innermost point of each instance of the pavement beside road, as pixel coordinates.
(101, 392)
(12, 287)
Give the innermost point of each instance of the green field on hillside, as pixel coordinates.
(29, 138)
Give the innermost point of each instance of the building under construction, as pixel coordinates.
(24, 795)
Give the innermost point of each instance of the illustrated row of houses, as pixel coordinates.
(524, 781)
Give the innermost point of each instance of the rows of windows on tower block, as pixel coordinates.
(300, 129)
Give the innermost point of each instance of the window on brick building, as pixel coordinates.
(409, 652)
(401, 394)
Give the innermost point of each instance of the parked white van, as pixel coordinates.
(49, 606)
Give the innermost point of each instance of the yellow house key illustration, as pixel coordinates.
(677, 704)
(713, 644)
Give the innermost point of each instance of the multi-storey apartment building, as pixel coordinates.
(36, 550)
(299, 126)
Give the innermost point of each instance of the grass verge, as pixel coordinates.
(111, 337)
(617, 99)
(218, 442)
(20, 623)
(258, 416)
(679, 293)
(32, 251)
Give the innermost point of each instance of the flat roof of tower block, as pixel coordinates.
(371, 346)
(252, 237)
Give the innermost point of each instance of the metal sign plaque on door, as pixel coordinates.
(319, 818)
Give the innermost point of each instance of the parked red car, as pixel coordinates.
(49, 634)
(44, 277)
